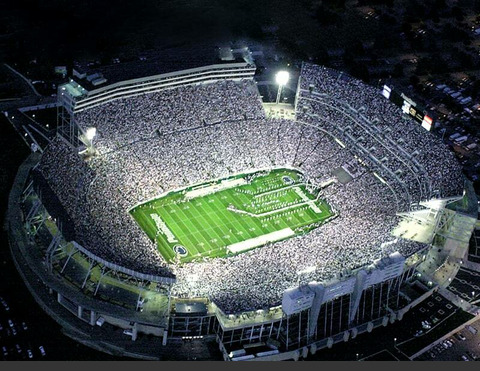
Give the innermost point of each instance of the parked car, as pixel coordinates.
(4, 304)
(42, 350)
(418, 333)
(472, 329)
(472, 355)
(426, 325)
(460, 336)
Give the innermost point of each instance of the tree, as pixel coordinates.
(334, 4)
(454, 34)
(414, 80)
(357, 48)
(457, 12)
(325, 16)
(398, 70)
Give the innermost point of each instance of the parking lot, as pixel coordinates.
(463, 346)
(466, 284)
(430, 320)
(433, 310)
(16, 342)
(398, 340)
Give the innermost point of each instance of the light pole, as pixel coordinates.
(281, 78)
(87, 139)
(395, 342)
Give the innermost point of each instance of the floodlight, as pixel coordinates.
(282, 77)
(90, 133)
(87, 139)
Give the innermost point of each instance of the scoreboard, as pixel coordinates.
(408, 107)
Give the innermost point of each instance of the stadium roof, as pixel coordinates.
(156, 63)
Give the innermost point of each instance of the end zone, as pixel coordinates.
(260, 240)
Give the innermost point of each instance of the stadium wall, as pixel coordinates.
(75, 98)
(334, 311)
(339, 311)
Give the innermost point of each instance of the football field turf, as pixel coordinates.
(232, 215)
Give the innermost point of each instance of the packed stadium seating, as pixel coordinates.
(153, 143)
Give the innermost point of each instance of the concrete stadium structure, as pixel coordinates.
(91, 296)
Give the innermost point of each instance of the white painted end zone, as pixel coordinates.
(260, 240)
(162, 227)
(311, 203)
(224, 184)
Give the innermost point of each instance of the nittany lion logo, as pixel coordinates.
(180, 250)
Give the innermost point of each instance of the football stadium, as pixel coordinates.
(173, 205)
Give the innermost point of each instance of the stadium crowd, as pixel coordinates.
(157, 142)
(399, 148)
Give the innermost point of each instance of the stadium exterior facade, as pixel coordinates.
(312, 315)
(74, 98)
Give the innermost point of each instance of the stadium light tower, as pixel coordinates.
(281, 78)
(87, 139)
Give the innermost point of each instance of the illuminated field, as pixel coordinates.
(232, 215)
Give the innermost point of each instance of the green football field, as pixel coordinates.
(232, 215)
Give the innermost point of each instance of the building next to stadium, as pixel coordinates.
(94, 291)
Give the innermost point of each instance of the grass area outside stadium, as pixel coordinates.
(232, 215)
